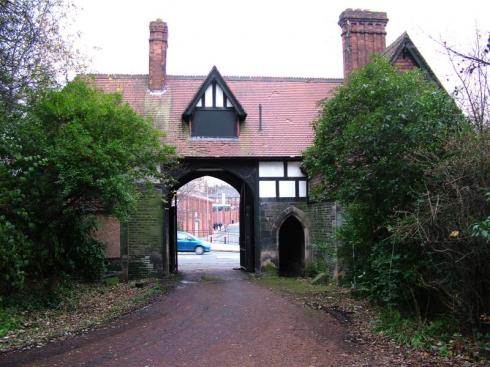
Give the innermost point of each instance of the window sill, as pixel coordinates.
(199, 138)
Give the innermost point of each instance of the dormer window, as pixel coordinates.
(214, 112)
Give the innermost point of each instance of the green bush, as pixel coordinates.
(363, 148)
(482, 229)
(9, 320)
(15, 253)
(442, 222)
(72, 154)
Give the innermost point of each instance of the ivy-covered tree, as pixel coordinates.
(73, 153)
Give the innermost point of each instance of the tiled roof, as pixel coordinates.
(392, 51)
(289, 106)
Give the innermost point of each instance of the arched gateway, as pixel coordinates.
(248, 131)
(228, 172)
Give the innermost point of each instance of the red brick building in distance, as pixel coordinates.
(194, 214)
(200, 213)
(249, 132)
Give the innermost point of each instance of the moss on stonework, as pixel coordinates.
(158, 107)
(145, 235)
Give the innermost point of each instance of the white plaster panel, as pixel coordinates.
(287, 189)
(208, 96)
(294, 169)
(302, 189)
(219, 96)
(271, 169)
(267, 189)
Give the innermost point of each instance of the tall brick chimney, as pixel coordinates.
(158, 55)
(363, 33)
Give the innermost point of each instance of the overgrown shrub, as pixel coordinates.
(444, 221)
(323, 259)
(412, 174)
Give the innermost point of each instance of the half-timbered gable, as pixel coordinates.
(214, 112)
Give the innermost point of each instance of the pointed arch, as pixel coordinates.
(291, 230)
(291, 247)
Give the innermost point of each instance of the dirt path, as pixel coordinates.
(230, 322)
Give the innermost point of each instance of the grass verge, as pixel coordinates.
(291, 285)
(29, 322)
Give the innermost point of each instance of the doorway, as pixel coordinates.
(291, 247)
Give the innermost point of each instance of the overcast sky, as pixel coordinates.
(262, 38)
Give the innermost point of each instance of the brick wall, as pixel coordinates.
(405, 63)
(194, 214)
(228, 216)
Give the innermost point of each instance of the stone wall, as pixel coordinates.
(269, 218)
(318, 219)
(141, 239)
(144, 236)
(327, 218)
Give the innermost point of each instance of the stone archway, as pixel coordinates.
(231, 175)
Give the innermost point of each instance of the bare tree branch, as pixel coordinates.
(34, 48)
(471, 69)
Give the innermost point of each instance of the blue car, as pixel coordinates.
(188, 243)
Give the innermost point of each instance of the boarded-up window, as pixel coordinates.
(109, 232)
(214, 124)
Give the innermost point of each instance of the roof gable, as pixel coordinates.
(404, 46)
(214, 76)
